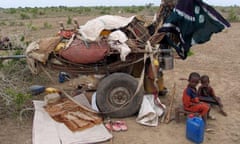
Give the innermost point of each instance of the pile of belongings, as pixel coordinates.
(91, 42)
(72, 115)
(188, 23)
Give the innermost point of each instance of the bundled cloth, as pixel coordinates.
(193, 22)
(149, 112)
(117, 40)
(39, 50)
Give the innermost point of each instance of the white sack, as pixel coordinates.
(92, 29)
(149, 112)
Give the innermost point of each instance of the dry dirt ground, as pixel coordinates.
(218, 58)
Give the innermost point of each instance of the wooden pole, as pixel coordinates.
(168, 116)
(12, 57)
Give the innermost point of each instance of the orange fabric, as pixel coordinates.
(193, 104)
(105, 33)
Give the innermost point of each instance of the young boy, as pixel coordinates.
(207, 94)
(190, 100)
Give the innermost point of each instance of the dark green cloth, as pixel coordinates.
(193, 22)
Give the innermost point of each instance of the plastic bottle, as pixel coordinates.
(195, 129)
(62, 77)
(36, 89)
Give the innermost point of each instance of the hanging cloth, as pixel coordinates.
(193, 22)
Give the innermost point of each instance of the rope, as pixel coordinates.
(156, 100)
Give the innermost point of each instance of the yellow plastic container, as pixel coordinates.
(59, 46)
(51, 90)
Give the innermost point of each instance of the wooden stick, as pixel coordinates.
(164, 116)
(12, 57)
(168, 115)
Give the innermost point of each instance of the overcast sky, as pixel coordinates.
(44, 3)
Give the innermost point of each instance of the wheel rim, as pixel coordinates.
(119, 96)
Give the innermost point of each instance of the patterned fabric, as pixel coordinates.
(193, 21)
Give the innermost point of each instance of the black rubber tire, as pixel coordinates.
(117, 90)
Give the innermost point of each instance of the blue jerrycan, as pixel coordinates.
(195, 129)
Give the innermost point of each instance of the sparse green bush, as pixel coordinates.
(190, 53)
(12, 11)
(22, 38)
(34, 11)
(105, 10)
(87, 9)
(12, 23)
(69, 20)
(140, 8)
(31, 27)
(13, 91)
(41, 13)
(232, 16)
(24, 16)
(19, 99)
(3, 23)
(130, 9)
(46, 25)
(20, 24)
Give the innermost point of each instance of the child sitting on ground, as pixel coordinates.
(190, 100)
(207, 94)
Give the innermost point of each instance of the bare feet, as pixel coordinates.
(210, 130)
(223, 112)
(211, 117)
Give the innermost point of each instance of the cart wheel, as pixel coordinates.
(115, 95)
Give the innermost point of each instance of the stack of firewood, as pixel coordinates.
(72, 115)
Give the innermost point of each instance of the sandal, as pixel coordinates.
(116, 127)
(122, 125)
(112, 127)
(108, 126)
